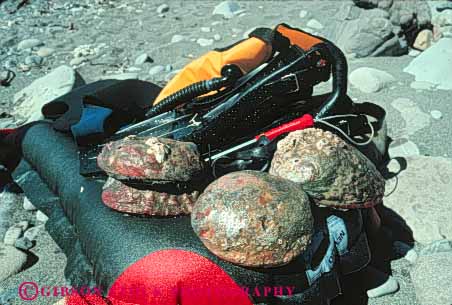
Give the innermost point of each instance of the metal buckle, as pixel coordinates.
(296, 82)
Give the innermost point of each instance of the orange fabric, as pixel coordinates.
(299, 38)
(248, 55)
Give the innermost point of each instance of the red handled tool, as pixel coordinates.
(303, 122)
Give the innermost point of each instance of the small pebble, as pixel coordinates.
(205, 29)
(217, 37)
(28, 205)
(203, 42)
(168, 68)
(143, 58)
(77, 61)
(45, 52)
(163, 9)
(436, 114)
(23, 243)
(314, 24)
(177, 38)
(156, 70)
(303, 14)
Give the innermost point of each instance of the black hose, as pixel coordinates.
(186, 95)
(340, 75)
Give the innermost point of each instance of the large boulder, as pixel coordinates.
(29, 101)
(422, 195)
(378, 27)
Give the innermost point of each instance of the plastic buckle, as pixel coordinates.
(296, 82)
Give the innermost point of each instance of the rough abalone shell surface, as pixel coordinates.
(254, 219)
(126, 199)
(331, 171)
(150, 158)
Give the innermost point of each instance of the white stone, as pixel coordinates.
(434, 65)
(41, 217)
(204, 42)
(28, 205)
(436, 114)
(217, 37)
(29, 43)
(156, 70)
(370, 80)
(178, 38)
(303, 14)
(206, 29)
(11, 262)
(227, 8)
(314, 24)
(163, 8)
(141, 59)
(29, 101)
(422, 196)
(77, 61)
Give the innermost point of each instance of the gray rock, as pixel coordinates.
(29, 43)
(29, 101)
(45, 52)
(204, 42)
(227, 8)
(438, 246)
(33, 232)
(34, 60)
(402, 147)
(163, 8)
(23, 243)
(41, 217)
(143, 58)
(178, 38)
(434, 65)
(444, 19)
(11, 262)
(365, 32)
(156, 70)
(168, 68)
(77, 61)
(421, 195)
(217, 37)
(369, 80)
(10, 63)
(206, 29)
(27, 205)
(314, 24)
(436, 114)
(432, 276)
(8, 203)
